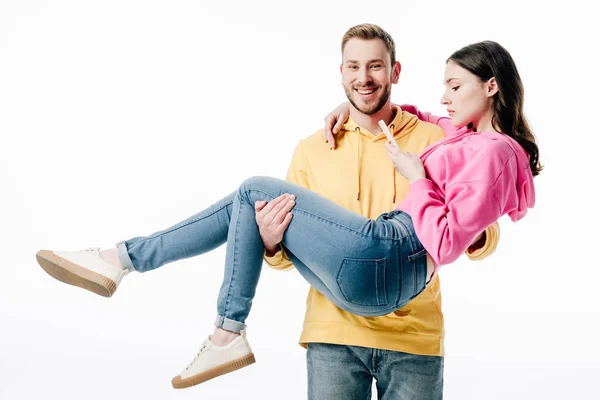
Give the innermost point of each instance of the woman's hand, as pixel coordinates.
(409, 165)
(334, 121)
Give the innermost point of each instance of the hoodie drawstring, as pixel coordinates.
(392, 127)
(394, 180)
(358, 161)
(357, 129)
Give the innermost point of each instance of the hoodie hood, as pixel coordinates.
(525, 188)
(524, 182)
(402, 124)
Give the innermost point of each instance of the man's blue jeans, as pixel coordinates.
(337, 372)
(363, 266)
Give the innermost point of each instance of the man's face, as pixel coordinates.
(367, 74)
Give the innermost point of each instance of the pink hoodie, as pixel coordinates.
(474, 178)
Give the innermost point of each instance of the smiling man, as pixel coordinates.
(402, 351)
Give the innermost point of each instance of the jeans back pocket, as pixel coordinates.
(362, 281)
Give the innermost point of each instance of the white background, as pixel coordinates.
(120, 118)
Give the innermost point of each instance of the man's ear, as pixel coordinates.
(396, 72)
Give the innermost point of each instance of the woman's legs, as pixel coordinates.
(102, 271)
(198, 234)
(360, 264)
(329, 245)
(353, 260)
(350, 259)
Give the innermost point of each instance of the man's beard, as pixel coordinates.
(382, 100)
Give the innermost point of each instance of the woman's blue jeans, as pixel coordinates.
(365, 267)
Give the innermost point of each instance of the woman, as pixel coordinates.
(482, 170)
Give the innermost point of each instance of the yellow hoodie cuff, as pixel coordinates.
(492, 237)
(279, 260)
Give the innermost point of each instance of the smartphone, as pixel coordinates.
(388, 134)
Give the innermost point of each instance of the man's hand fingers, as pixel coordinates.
(330, 140)
(286, 222)
(284, 211)
(273, 203)
(330, 130)
(338, 125)
(329, 124)
(259, 205)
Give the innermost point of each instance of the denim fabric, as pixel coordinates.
(337, 372)
(366, 267)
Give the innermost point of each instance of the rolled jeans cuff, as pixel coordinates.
(229, 324)
(124, 257)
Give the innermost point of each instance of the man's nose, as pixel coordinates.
(364, 77)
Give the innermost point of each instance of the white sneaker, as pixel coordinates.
(212, 361)
(82, 268)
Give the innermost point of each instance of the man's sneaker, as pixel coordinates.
(82, 268)
(212, 361)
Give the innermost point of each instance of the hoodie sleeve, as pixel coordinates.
(487, 245)
(443, 122)
(447, 228)
(476, 251)
(296, 174)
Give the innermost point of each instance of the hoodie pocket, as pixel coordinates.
(362, 281)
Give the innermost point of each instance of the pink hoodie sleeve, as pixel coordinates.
(443, 122)
(447, 228)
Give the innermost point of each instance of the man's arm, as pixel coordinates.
(486, 244)
(296, 174)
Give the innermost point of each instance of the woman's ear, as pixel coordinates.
(492, 87)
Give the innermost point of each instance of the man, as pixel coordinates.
(402, 351)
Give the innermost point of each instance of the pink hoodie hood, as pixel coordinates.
(473, 179)
(525, 188)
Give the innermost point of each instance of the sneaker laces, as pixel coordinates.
(198, 354)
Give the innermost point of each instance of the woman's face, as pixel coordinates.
(467, 98)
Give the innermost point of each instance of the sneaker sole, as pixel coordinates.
(234, 365)
(72, 274)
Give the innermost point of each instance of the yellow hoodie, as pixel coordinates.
(359, 176)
